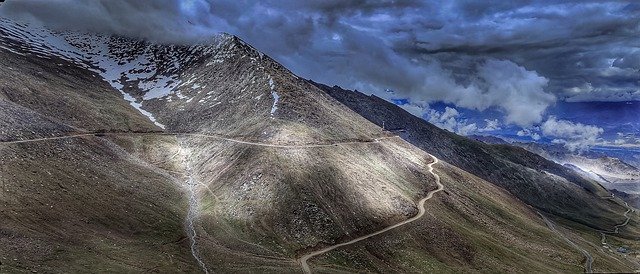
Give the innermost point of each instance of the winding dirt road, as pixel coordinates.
(616, 228)
(589, 259)
(421, 210)
(283, 146)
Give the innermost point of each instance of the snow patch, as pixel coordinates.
(138, 106)
(155, 69)
(274, 94)
(162, 86)
(276, 98)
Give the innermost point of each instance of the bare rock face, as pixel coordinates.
(214, 157)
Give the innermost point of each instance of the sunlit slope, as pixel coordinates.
(261, 207)
(473, 226)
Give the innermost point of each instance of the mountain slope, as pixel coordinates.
(65, 94)
(532, 178)
(216, 158)
(84, 204)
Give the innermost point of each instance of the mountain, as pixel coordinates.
(488, 139)
(119, 155)
(532, 178)
(612, 173)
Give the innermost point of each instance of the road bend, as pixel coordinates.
(421, 210)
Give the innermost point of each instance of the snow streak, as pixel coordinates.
(274, 94)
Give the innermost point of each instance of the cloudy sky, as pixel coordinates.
(530, 70)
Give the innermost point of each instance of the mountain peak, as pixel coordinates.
(140, 70)
(204, 83)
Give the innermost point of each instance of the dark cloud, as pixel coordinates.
(346, 7)
(572, 44)
(158, 20)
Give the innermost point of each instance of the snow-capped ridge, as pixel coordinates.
(122, 62)
(143, 71)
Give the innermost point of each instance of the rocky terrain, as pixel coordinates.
(215, 158)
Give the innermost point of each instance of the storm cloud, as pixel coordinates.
(514, 57)
(168, 21)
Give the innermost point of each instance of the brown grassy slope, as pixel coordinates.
(606, 258)
(84, 205)
(259, 206)
(79, 205)
(19, 123)
(262, 207)
(67, 94)
(472, 226)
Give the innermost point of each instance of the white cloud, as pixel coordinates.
(574, 136)
(449, 120)
(527, 132)
(626, 139)
(621, 140)
(588, 93)
(491, 125)
(445, 120)
(449, 113)
(417, 111)
(464, 129)
(502, 84)
(517, 91)
(535, 136)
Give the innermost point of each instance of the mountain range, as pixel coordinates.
(121, 155)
